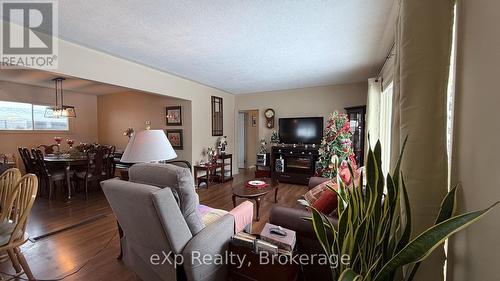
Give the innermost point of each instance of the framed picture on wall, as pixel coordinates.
(174, 116)
(175, 138)
(217, 116)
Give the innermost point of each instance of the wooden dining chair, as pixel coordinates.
(95, 172)
(28, 160)
(8, 182)
(13, 227)
(110, 166)
(48, 149)
(48, 178)
(4, 165)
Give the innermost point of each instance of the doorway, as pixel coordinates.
(248, 138)
(241, 137)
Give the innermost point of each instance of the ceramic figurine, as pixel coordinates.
(222, 144)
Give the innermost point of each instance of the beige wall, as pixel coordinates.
(82, 129)
(117, 112)
(476, 251)
(307, 102)
(82, 62)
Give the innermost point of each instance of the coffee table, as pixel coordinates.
(243, 191)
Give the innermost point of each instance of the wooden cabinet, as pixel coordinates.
(357, 121)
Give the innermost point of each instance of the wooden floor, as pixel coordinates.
(94, 245)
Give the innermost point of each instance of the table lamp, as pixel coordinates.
(148, 146)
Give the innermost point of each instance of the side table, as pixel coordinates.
(210, 176)
(221, 159)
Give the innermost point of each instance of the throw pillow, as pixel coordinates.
(327, 202)
(312, 195)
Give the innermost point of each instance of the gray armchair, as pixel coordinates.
(157, 211)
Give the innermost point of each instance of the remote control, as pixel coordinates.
(278, 231)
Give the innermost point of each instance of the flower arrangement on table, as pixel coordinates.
(336, 149)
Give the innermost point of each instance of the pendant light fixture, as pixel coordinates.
(60, 110)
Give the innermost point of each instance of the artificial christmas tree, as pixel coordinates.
(336, 148)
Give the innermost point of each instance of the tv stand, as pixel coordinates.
(299, 163)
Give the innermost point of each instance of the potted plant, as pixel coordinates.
(374, 232)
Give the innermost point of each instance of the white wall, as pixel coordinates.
(78, 61)
(476, 251)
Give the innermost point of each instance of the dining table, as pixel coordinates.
(69, 162)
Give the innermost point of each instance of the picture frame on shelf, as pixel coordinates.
(174, 115)
(175, 138)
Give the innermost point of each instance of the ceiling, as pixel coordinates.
(238, 46)
(44, 79)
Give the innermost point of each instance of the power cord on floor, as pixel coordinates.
(72, 273)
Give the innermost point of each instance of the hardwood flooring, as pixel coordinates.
(95, 244)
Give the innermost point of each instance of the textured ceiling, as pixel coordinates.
(238, 46)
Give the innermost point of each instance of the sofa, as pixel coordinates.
(159, 213)
(292, 218)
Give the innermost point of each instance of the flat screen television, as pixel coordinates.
(304, 130)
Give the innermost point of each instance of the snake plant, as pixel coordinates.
(375, 227)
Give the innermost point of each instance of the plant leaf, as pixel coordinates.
(319, 229)
(447, 206)
(349, 275)
(395, 174)
(446, 212)
(422, 246)
(407, 228)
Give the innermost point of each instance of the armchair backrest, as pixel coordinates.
(143, 212)
(181, 183)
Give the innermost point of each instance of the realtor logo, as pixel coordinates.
(29, 34)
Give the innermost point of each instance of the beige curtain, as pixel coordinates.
(423, 44)
(373, 111)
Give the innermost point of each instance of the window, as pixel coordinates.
(19, 116)
(385, 126)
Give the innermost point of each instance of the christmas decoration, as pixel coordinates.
(275, 138)
(336, 148)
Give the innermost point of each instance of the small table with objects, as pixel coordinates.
(210, 173)
(245, 191)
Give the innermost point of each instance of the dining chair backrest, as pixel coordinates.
(3, 158)
(96, 160)
(28, 160)
(48, 149)
(110, 161)
(8, 184)
(22, 204)
(41, 166)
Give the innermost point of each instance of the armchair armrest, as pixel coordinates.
(243, 217)
(210, 241)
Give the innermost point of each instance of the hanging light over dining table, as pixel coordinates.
(60, 110)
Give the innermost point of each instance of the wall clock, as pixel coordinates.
(270, 116)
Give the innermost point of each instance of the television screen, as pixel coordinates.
(306, 130)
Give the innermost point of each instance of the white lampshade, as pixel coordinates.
(148, 146)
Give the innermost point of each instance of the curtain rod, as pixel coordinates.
(389, 55)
